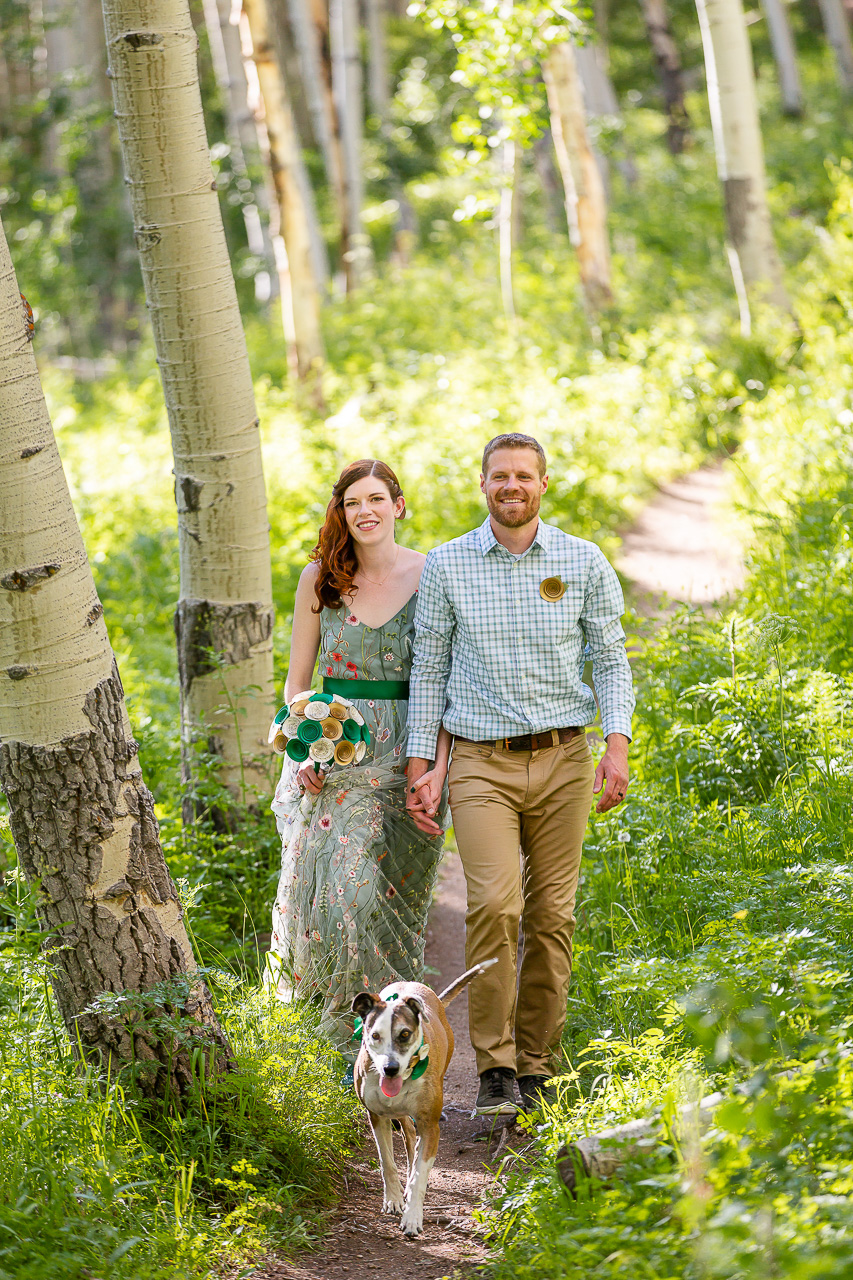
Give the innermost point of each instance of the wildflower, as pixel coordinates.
(624, 837)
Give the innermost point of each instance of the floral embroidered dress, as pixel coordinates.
(356, 873)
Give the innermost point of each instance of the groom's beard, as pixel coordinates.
(514, 516)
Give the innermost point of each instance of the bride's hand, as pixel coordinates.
(424, 798)
(308, 780)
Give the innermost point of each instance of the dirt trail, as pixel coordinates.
(679, 549)
(676, 551)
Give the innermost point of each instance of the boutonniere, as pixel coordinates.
(552, 589)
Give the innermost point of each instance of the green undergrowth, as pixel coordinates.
(713, 945)
(95, 1183)
(714, 948)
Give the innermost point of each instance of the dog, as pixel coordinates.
(406, 1047)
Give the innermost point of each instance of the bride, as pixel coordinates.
(357, 874)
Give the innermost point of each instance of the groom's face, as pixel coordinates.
(513, 486)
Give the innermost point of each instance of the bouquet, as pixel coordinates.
(321, 727)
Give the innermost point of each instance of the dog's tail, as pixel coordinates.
(451, 992)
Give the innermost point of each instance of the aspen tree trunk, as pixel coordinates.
(668, 64)
(377, 57)
(311, 40)
(303, 291)
(379, 97)
(222, 22)
(784, 55)
(740, 157)
(505, 228)
(837, 29)
(225, 614)
(346, 84)
(62, 57)
(82, 818)
(586, 206)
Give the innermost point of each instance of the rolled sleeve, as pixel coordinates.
(604, 638)
(434, 630)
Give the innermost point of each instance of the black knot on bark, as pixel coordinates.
(19, 673)
(137, 40)
(26, 579)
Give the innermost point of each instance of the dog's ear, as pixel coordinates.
(418, 1007)
(364, 1002)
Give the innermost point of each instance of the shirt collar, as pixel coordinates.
(488, 541)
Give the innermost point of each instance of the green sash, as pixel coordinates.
(366, 688)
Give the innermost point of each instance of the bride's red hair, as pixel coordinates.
(334, 553)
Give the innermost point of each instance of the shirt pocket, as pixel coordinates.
(555, 621)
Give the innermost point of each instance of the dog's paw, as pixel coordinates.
(412, 1221)
(394, 1203)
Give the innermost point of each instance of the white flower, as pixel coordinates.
(624, 837)
(389, 657)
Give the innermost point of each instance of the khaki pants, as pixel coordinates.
(539, 800)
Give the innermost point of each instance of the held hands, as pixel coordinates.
(612, 770)
(423, 794)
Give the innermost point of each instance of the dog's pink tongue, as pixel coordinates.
(391, 1085)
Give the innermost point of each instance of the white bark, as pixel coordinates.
(599, 94)
(600, 1154)
(784, 55)
(309, 41)
(347, 89)
(586, 204)
(837, 27)
(226, 588)
(505, 227)
(221, 19)
(378, 91)
(82, 818)
(740, 154)
(302, 287)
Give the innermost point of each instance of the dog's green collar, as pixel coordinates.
(423, 1063)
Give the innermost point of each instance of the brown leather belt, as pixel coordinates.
(527, 741)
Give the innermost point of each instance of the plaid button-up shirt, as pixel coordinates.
(493, 659)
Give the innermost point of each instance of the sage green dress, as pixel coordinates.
(356, 873)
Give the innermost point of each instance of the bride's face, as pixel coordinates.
(370, 511)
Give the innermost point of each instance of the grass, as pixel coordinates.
(714, 936)
(715, 939)
(95, 1184)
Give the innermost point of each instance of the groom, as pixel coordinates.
(507, 614)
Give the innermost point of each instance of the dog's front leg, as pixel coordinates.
(393, 1200)
(410, 1138)
(412, 1221)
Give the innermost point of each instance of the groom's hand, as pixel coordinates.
(613, 771)
(420, 801)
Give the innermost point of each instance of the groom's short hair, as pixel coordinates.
(515, 440)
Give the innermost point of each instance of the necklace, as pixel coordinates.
(376, 582)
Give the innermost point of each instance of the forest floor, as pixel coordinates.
(679, 549)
